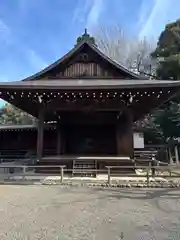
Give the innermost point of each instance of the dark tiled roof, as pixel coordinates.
(16, 126)
(47, 126)
(24, 126)
(65, 84)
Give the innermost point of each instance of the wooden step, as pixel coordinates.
(84, 167)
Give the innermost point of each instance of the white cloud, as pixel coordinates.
(3, 26)
(160, 13)
(34, 59)
(144, 11)
(81, 11)
(4, 31)
(8, 37)
(89, 12)
(94, 13)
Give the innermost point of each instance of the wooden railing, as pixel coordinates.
(63, 170)
(24, 171)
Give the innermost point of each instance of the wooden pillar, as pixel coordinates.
(176, 154)
(124, 134)
(58, 129)
(119, 137)
(40, 134)
(130, 133)
(170, 156)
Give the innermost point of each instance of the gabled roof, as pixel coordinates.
(77, 48)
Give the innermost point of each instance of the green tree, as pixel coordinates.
(163, 124)
(12, 115)
(167, 52)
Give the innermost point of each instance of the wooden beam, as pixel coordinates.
(58, 129)
(83, 105)
(130, 132)
(124, 134)
(40, 133)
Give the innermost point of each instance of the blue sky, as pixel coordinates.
(34, 33)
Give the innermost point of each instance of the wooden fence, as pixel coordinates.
(170, 170)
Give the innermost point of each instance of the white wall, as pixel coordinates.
(138, 140)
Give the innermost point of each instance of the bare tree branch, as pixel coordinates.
(134, 54)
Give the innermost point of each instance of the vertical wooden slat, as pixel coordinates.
(91, 69)
(98, 70)
(95, 69)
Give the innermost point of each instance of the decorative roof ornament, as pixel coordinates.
(85, 37)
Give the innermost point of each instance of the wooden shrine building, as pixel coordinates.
(92, 100)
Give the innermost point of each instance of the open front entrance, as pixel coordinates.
(90, 140)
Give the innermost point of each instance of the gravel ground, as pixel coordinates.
(54, 212)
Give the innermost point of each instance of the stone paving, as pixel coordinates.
(61, 212)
